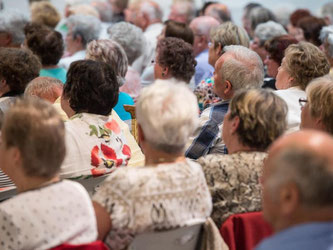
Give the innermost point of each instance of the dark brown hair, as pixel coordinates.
(277, 45)
(179, 30)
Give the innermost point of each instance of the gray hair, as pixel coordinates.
(130, 37)
(110, 52)
(204, 24)
(87, 27)
(327, 11)
(43, 86)
(260, 15)
(167, 112)
(305, 169)
(229, 34)
(326, 35)
(244, 69)
(153, 12)
(268, 30)
(13, 23)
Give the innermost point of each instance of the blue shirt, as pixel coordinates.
(203, 69)
(123, 98)
(58, 73)
(309, 236)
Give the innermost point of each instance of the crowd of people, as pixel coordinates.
(229, 119)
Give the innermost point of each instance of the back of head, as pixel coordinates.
(84, 10)
(179, 30)
(152, 10)
(320, 100)
(311, 27)
(182, 11)
(91, 87)
(178, 56)
(18, 67)
(44, 42)
(203, 25)
(327, 12)
(218, 11)
(326, 37)
(229, 34)
(12, 22)
(87, 27)
(297, 15)
(130, 38)
(268, 30)
(35, 128)
(46, 88)
(244, 69)
(262, 116)
(110, 52)
(44, 13)
(167, 112)
(260, 15)
(277, 45)
(304, 62)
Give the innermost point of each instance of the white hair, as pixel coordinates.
(167, 112)
(326, 35)
(244, 69)
(13, 23)
(150, 10)
(204, 24)
(87, 27)
(186, 8)
(43, 86)
(268, 30)
(327, 11)
(130, 37)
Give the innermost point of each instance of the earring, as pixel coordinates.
(163, 74)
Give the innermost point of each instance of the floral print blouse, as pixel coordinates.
(205, 93)
(95, 146)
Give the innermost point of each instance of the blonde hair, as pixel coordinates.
(304, 62)
(44, 13)
(320, 99)
(262, 116)
(229, 34)
(36, 129)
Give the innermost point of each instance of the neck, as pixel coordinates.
(30, 183)
(155, 157)
(50, 66)
(236, 146)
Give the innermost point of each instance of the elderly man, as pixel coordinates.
(219, 11)
(297, 192)
(12, 28)
(81, 30)
(182, 11)
(237, 68)
(326, 37)
(201, 27)
(317, 110)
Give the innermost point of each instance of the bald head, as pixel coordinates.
(201, 27)
(298, 179)
(218, 11)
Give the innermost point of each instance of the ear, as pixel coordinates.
(289, 199)
(218, 50)
(165, 72)
(141, 135)
(228, 90)
(234, 124)
(319, 124)
(78, 39)
(15, 154)
(7, 39)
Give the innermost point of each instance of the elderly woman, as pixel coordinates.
(44, 13)
(95, 143)
(132, 40)
(112, 53)
(48, 45)
(17, 68)
(326, 37)
(317, 112)
(47, 212)
(177, 29)
(275, 48)
(223, 35)
(302, 63)
(259, 15)
(81, 31)
(175, 190)
(174, 59)
(255, 119)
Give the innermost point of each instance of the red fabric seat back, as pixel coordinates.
(96, 245)
(245, 231)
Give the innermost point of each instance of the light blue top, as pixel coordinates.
(203, 69)
(59, 73)
(123, 98)
(310, 236)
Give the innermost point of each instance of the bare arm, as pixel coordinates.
(103, 220)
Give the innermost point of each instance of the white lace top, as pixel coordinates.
(148, 198)
(47, 217)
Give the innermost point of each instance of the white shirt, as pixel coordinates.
(66, 62)
(47, 217)
(291, 97)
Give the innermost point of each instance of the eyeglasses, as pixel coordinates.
(302, 102)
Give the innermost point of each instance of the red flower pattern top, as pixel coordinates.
(96, 146)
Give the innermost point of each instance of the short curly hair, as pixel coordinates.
(277, 45)
(304, 62)
(91, 87)
(18, 67)
(44, 42)
(262, 117)
(178, 56)
(44, 13)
